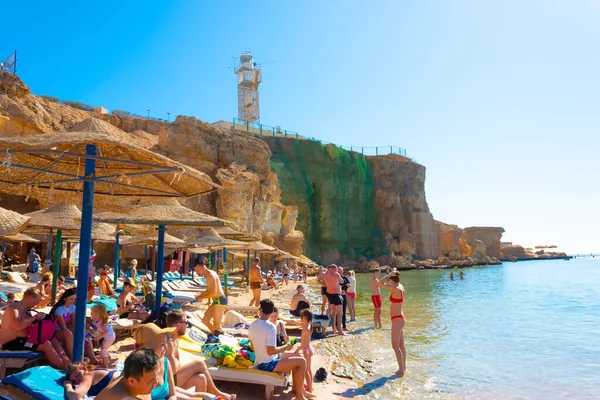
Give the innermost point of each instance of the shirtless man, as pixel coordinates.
(322, 275)
(299, 302)
(15, 323)
(138, 377)
(304, 272)
(334, 295)
(285, 275)
(213, 291)
(376, 297)
(256, 281)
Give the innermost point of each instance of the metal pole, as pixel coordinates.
(15, 69)
(160, 266)
(146, 259)
(49, 249)
(3, 252)
(117, 259)
(248, 270)
(57, 254)
(85, 241)
(225, 266)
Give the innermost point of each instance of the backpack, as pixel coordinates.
(42, 331)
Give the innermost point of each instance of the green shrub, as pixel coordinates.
(78, 105)
(50, 98)
(121, 113)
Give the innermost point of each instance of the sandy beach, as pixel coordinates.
(333, 388)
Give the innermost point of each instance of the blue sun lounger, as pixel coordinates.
(18, 359)
(43, 383)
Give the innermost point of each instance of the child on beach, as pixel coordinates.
(306, 318)
(282, 336)
(100, 329)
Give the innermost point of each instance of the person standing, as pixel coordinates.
(304, 272)
(334, 295)
(344, 287)
(214, 293)
(33, 261)
(376, 297)
(132, 271)
(256, 281)
(322, 279)
(285, 275)
(351, 293)
(397, 316)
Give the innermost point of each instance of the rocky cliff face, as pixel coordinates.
(490, 236)
(250, 196)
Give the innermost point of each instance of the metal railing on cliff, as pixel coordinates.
(257, 129)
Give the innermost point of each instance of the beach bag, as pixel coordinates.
(42, 331)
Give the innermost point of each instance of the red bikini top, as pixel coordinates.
(395, 300)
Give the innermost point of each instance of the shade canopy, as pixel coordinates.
(149, 240)
(286, 256)
(12, 222)
(20, 237)
(230, 233)
(257, 246)
(210, 239)
(55, 163)
(166, 212)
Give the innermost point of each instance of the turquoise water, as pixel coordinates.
(526, 330)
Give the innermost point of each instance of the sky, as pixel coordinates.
(499, 100)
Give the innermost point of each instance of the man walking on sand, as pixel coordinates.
(214, 292)
(256, 281)
(334, 295)
(270, 358)
(376, 298)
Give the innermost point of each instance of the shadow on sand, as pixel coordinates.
(367, 388)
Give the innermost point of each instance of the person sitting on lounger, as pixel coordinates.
(15, 323)
(273, 358)
(138, 379)
(194, 375)
(299, 302)
(129, 306)
(104, 285)
(79, 382)
(45, 288)
(271, 282)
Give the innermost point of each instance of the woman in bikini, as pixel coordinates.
(397, 316)
(80, 382)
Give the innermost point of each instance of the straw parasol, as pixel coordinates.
(257, 246)
(149, 240)
(55, 162)
(108, 166)
(210, 239)
(20, 237)
(286, 256)
(166, 212)
(229, 233)
(11, 222)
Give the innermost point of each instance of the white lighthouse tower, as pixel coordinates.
(249, 77)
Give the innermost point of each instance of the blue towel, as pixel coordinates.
(109, 302)
(44, 383)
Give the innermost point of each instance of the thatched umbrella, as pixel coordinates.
(109, 166)
(163, 213)
(149, 240)
(11, 222)
(18, 237)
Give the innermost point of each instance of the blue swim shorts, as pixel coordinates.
(269, 366)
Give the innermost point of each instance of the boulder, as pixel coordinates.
(490, 236)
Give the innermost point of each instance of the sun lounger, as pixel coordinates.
(250, 375)
(243, 309)
(18, 359)
(43, 383)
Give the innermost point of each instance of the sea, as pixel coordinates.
(525, 330)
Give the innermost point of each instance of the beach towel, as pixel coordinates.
(109, 302)
(232, 318)
(43, 383)
(236, 361)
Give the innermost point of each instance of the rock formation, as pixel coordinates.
(490, 236)
(450, 236)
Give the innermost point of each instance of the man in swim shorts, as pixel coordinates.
(322, 275)
(214, 292)
(256, 281)
(334, 296)
(270, 358)
(376, 297)
(299, 302)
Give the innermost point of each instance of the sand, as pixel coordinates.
(333, 388)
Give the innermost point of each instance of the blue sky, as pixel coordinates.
(498, 99)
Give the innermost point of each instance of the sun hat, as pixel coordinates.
(130, 282)
(149, 335)
(103, 273)
(92, 255)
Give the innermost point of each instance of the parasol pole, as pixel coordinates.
(248, 270)
(117, 259)
(225, 266)
(85, 241)
(3, 252)
(57, 255)
(160, 266)
(49, 249)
